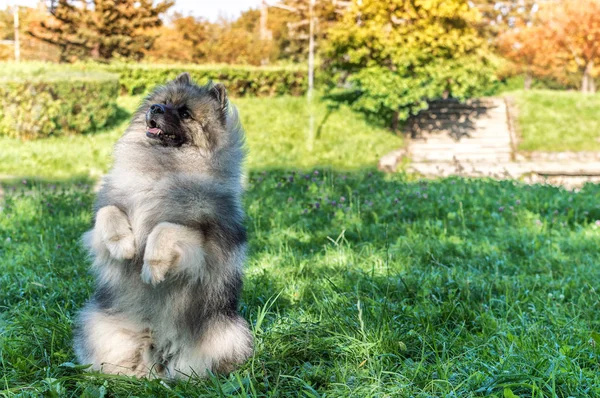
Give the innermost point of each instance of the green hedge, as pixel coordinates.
(240, 81)
(43, 101)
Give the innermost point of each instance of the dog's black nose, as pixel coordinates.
(157, 108)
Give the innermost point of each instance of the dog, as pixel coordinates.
(168, 242)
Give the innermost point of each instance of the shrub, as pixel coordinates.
(43, 101)
(241, 81)
(404, 53)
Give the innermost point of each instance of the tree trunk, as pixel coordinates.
(588, 85)
(95, 53)
(528, 80)
(63, 58)
(395, 121)
(264, 30)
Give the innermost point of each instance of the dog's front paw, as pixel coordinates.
(155, 269)
(121, 246)
(161, 254)
(115, 231)
(173, 248)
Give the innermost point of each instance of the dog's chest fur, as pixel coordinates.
(142, 197)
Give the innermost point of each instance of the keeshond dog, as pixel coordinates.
(168, 242)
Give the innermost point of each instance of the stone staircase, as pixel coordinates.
(451, 132)
(475, 139)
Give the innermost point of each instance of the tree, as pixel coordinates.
(190, 39)
(522, 46)
(184, 39)
(101, 29)
(563, 41)
(574, 36)
(392, 56)
(235, 44)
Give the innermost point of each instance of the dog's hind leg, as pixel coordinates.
(225, 344)
(112, 343)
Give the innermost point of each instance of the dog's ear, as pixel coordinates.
(184, 78)
(219, 92)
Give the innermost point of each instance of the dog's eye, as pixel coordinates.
(185, 114)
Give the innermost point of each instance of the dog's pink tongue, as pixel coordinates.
(154, 130)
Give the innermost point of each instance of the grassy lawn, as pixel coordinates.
(558, 120)
(358, 284)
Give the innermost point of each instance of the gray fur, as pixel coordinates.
(187, 187)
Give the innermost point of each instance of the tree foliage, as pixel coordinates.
(101, 29)
(191, 39)
(575, 34)
(563, 41)
(522, 46)
(31, 48)
(395, 55)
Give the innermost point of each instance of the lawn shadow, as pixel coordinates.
(448, 116)
(120, 115)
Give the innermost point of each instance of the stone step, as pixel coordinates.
(482, 169)
(506, 170)
(496, 124)
(445, 117)
(440, 154)
(469, 136)
(457, 152)
(465, 141)
(459, 147)
(461, 150)
(453, 107)
(435, 157)
(445, 124)
(455, 114)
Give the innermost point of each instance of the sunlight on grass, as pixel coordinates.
(558, 120)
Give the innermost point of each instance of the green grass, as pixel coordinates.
(276, 130)
(558, 121)
(358, 284)
(399, 288)
(81, 156)
(278, 136)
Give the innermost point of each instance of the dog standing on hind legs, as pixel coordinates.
(168, 243)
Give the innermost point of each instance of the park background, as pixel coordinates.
(361, 280)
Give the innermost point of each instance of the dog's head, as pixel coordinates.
(182, 113)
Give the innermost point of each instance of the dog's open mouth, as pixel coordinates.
(154, 132)
(167, 136)
(158, 134)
